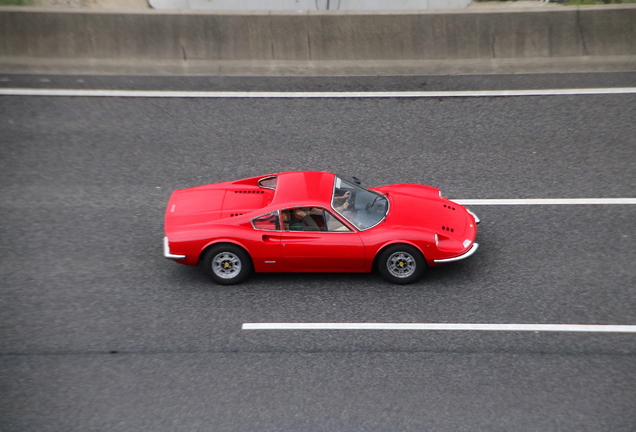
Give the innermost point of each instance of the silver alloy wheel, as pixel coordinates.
(226, 265)
(401, 264)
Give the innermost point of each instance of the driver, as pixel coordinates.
(340, 202)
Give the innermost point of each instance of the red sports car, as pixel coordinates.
(310, 221)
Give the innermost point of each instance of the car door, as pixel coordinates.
(332, 247)
(265, 248)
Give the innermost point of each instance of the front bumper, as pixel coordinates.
(477, 220)
(166, 251)
(470, 251)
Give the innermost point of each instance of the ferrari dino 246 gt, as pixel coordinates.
(309, 221)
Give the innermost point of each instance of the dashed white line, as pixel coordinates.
(548, 201)
(445, 326)
(274, 94)
(582, 328)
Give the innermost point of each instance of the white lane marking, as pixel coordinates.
(546, 201)
(257, 94)
(444, 326)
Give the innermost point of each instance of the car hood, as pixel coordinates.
(422, 206)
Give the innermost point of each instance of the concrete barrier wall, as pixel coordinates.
(317, 37)
(308, 5)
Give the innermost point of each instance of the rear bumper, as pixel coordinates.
(166, 251)
(470, 251)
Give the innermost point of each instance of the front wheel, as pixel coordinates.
(227, 264)
(401, 264)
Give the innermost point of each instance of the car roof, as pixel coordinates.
(303, 187)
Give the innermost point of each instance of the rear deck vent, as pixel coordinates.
(236, 214)
(249, 191)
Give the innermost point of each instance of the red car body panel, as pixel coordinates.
(418, 215)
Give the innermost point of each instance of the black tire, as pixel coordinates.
(401, 264)
(227, 264)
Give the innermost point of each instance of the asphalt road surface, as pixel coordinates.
(99, 332)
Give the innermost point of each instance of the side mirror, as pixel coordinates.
(356, 180)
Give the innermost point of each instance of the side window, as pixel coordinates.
(268, 221)
(303, 219)
(268, 182)
(333, 224)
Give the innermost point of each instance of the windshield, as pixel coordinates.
(363, 208)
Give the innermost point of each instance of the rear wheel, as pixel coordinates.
(401, 264)
(227, 264)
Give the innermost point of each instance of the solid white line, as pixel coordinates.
(444, 326)
(378, 94)
(546, 201)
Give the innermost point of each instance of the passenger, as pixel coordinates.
(301, 220)
(305, 221)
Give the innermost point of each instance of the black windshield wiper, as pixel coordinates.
(368, 206)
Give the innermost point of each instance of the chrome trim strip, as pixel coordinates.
(166, 251)
(477, 220)
(471, 251)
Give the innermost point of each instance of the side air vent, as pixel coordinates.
(236, 214)
(449, 207)
(444, 228)
(249, 191)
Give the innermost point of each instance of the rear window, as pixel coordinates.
(268, 182)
